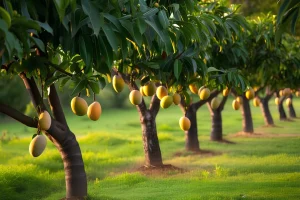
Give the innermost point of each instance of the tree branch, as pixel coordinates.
(55, 106)
(200, 103)
(33, 92)
(59, 69)
(222, 104)
(154, 105)
(17, 115)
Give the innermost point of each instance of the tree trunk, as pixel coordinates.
(247, 116)
(75, 176)
(191, 136)
(264, 105)
(282, 115)
(150, 140)
(216, 133)
(292, 111)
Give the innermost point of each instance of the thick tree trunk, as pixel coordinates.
(247, 116)
(292, 111)
(75, 176)
(282, 115)
(264, 105)
(191, 136)
(216, 133)
(150, 140)
(65, 141)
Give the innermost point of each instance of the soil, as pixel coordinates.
(202, 153)
(160, 170)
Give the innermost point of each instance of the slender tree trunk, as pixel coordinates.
(216, 133)
(191, 136)
(150, 140)
(282, 115)
(264, 105)
(292, 111)
(247, 116)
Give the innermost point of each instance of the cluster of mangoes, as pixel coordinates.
(80, 107)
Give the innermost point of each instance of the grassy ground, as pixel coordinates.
(266, 166)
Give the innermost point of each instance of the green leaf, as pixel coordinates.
(63, 83)
(61, 6)
(51, 80)
(177, 68)
(39, 43)
(102, 82)
(213, 69)
(141, 25)
(85, 49)
(163, 19)
(91, 11)
(94, 86)
(45, 26)
(79, 87)
(111, 37)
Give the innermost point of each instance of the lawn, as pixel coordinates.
(266, 166)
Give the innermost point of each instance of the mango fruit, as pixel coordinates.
(239, 99)
(225, 92)
(235, 105)
(149, 89)
(37, 145)
(256, 102)
(215, 103)
(250, 93)
(166, 101)
(184, 123)
(44, 120)
(79, 106)
(281, 93)
(94, 111)
(297, 93)
(277, 101)
(118, 83)
(161, 91)
(135, 97)
(141, 91)
(176, 98)
(288, 101)
(204, 93)
(193, 88)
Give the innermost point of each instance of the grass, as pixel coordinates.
(264, 167)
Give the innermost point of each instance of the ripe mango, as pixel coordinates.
(250, 93)
(193, 88)
(79, 106)
(226, 92)
(135, 97)
(141, 91)
(184, 123)
(94, 111)
(287, 92)
(166, 101)
(281, 93)
(44, 121)
(149, 89)
(215, 103)
(297, 93)
(235, 105)
(239, 99)
(288, 101)
(161, 92)
(37, 145)
(256, 102)
(176, 98)
(118, 83)
(277, 101)
(204, 93)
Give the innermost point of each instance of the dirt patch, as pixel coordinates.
(263, 135)
(272, 126)
(201, 153)
(225, 141)
(160, 170)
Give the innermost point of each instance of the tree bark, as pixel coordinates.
(282, 115)
(292, 111)
(247, 116)
(216, 133)
(264, 105)
(65, 141)
(191, 135)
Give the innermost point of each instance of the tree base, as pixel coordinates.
(223, 141)
(271, 126)
(160, 170)
(287, 120)
(202, 153)
(74, 198)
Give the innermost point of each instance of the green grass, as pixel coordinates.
(265, 167)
